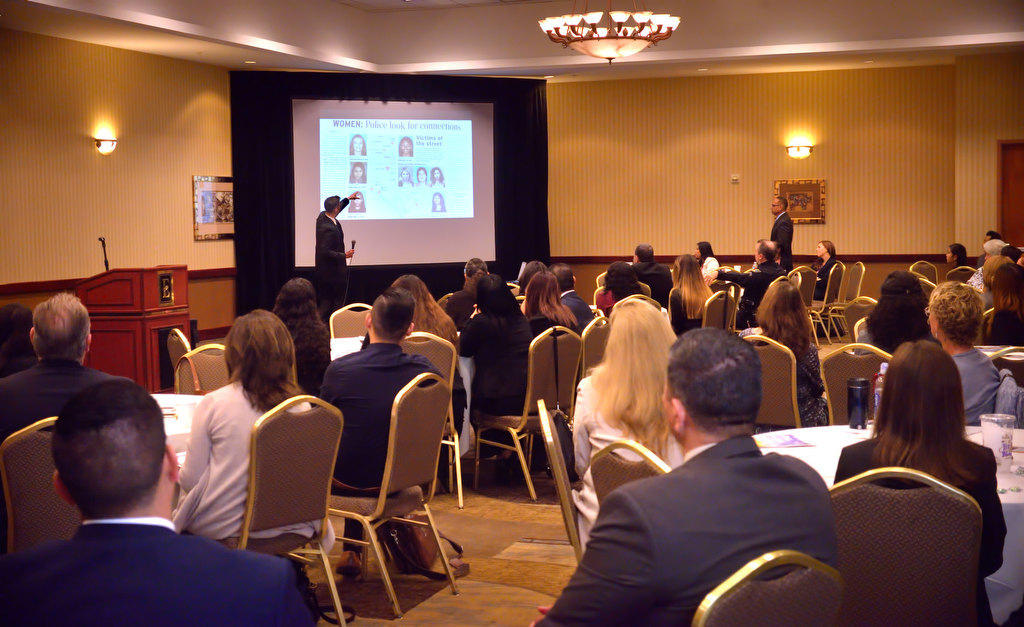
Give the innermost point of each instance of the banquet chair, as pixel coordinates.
(35, 514)
(819, 310)
(720, 311)
(646, 289)
(553, 446)
(201, 370)
(595, 338)
(926, 286)
(783, 278)
(1011, 358)
(444, 357)
(856, 310)
(778, 382)
(925, 269)
(960, 274)
(803, 591)
(641, 297)
(849, 291)
(515, 288)
(838, 367)
(858, 327)
(557, 346)
(804, 279)
(907, 556)
(600, 279)
(610, 469)
(443, 301)
(349, 321)
(418, 417)
(291, 463)
(597, 293)
(177, 345)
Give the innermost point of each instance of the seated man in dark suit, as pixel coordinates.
(656, 276)
(461, 304)
(652, 559)
(567, 286)
(60, 337)
(755, 283)
(363, 385)
(126, 565)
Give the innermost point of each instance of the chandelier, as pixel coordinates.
(620, 34)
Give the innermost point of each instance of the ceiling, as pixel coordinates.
(501, 37)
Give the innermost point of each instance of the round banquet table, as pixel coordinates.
(819, 447)
(178, 409)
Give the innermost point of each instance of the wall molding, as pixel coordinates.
(212, 333)
(61, 285)
(733, 259)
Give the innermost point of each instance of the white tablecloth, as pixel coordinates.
(1006, 585)
(178, 409)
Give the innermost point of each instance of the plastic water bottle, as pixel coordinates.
(879, 384)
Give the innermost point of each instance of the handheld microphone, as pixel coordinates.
(353, 244)
(106, 263)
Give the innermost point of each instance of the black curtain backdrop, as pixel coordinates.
(261, 142)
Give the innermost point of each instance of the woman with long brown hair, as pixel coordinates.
(296, 307)
(429, 317)
(1006, 326)
(622, 398)
(920, 425)
(543, 306)
(783, 317)
(826, 259)
(687, 298)
(260, 357)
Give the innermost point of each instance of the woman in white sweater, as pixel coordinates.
(260, 358)
(621, 399)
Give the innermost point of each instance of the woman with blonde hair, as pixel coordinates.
(783, 317)
(622, 398)
(687, 298)
(260, 357)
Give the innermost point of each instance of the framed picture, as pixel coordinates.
(806, 199)
(213, 210)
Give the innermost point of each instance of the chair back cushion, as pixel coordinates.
(440, 352)
(926, 269)
(35, 514)
(778, 384)
(802, 596)
(960, 274)
(177, 346)
(417, 423)
(837, 368)
(201, 370)
(716, 311)
(541, 377)
(907, 556)
(349, 321)
(857, 309)
(610, 469)
(553, 447)
(835, 282)
(291, 463)
(595, 338)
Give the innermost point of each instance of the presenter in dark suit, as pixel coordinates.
(331, 256)
(782, 232)
(126, 565)
(651, 559)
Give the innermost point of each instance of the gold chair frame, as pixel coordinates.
(774, 345)
(926, 285)
(595, 332)
(9, 498)
(448, 373)
(819, 310)
(960, 274)
(378, 517)
(599, 281)
(854, 311)
(561, 478)
(345, 316)
(641, 297)
(844, 351)
(850, 291)
(524, 430)
(198, 386)
(857, 328)
(648, 458)
(753, 570)
(314, 554)
(805, 280)
(925, 269)
(515, 288)
(177, 346)
(730, 306)
(443, 301)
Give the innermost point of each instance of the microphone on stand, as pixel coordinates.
(106, 263)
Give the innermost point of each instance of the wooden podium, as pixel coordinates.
(128, 310)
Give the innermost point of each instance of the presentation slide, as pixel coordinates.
(423, 173)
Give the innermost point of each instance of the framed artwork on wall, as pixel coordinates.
(806, 199)
(213, 209)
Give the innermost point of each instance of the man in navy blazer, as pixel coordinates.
(782, 232)
(661, 544)
(126, 565)
(567, 286)
(331, 256)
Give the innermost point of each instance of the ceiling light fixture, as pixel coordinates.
(621, 34)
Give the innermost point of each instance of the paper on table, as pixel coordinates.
(773, 440)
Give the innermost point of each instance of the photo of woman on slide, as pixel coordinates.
(421, 177)
(436, 177)
(357, 146)
(357, 205)
(405, 178)
(438, 205)
(405, 147)
(358, 173)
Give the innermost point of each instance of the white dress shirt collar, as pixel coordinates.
(153, 521)
(690, 454)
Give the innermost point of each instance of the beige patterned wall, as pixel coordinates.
(172, 120)
(650, 160)
(989, 107)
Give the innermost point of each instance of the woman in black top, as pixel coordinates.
(956, 254)
(16, 353)
(1006, 326)
(826, 252)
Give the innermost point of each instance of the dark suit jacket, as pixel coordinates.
(363, 386)
(579, 308)
(821, 283)
(755, 284)
(112, 574)
(782, 232)
(331, 268)
(460, 307)
(651, 559)
(657, 277)
(858, 458)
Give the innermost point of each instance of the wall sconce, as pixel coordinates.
(105, 145)
(799, 152)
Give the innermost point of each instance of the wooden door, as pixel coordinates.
(1011, 191)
